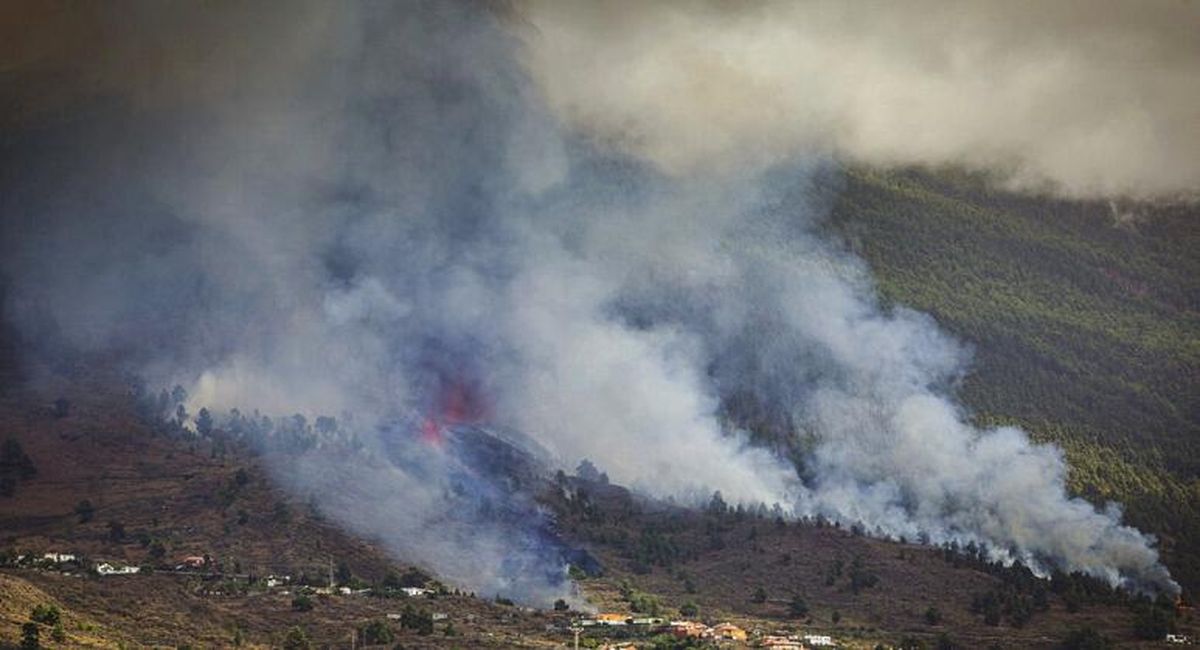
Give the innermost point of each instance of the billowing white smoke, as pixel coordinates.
(402, 211)
(1080, 98)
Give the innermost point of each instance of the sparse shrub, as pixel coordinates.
(343, 574)
(414, 619)
(836, 617)
(302, 603)
(116, 531)
(45, 614)
(717, 505)
(14, 462)
(561, 605)
(798, 608)
(689, 609)
(644, 603)
(157, 551)
(760, 595)
(58, 634)
(414, 577)
(85, 510)
(1085, 638)
(29, 637)
(376, 633)
(62, 407)
(933, 616)
(204, 422)
(860, 578)
(281, 513)
(1073, 601)
(296, 639)
(1152, 623)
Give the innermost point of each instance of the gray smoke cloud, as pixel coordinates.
(1080, 98)
(395, 216)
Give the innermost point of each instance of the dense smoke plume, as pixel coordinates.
(1081, 97)
(404, 216)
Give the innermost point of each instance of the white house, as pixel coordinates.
(414, 591)
(818, 640)
(109, 569)
(59, 557)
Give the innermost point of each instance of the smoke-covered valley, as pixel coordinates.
(396, 215)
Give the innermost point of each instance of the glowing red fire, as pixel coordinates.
(457, 402)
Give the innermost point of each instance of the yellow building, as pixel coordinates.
(729, 631)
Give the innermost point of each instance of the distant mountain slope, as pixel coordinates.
(1084, 318)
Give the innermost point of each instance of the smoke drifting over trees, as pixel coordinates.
(367, 208)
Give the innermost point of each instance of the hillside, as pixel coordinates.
(734, 565)
(1085, 332)
(1084, 318)
(156, 500)
(170, 498)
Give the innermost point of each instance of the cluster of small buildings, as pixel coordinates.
(619, 619)
(794, 642)
(720, 632)
(681, 629)
(697, 630)
(56, 560)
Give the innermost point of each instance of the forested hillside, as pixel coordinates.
(1085, 323)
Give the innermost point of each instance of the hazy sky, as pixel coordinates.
(1081, 97)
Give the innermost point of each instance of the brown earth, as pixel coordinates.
(181, 496)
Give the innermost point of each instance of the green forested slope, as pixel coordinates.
(1084, 318)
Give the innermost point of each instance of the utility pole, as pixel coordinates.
(576, 629)
(331, 573)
